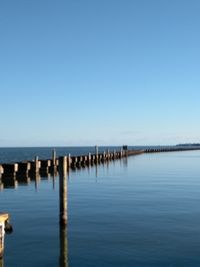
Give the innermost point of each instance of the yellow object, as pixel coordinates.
(4, 217)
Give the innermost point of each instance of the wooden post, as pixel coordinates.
(3, 220)
(63, 190)
(96, 150)
(97, 154)
(108, 154)
(114, 154)
(36, 165)
(121, 153)
(54, 157)
(69, 161)
(1, 171)
(89, 159)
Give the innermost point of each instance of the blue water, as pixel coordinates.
(143, 211)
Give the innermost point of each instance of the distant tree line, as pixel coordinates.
(188, 144)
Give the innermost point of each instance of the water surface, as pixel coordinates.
(143, 211)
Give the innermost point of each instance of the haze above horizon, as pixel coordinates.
(105, 72)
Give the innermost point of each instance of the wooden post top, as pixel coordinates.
(4, 217)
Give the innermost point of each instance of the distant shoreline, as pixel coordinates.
(188, 144)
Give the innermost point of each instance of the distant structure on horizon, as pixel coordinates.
(189, 144)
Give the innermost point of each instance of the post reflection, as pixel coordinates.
(9, 181)
(54, 181)
(1, 185)
(1, 263)
(96, 171)
(23, 180)
(63, 247)
(125, 162)
(37, 181)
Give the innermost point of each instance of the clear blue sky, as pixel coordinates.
(85, 72)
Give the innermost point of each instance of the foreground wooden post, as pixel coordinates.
(63, 190)
(4, 217)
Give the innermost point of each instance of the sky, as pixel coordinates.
(105, 72)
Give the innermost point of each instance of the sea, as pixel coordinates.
(140, 211)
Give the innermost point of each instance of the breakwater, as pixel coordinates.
(11, 172)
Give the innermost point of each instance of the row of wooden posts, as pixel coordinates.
(50, 165)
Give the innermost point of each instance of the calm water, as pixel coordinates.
(140, 212)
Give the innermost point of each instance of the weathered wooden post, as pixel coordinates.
(54, 157)
(97, 154)
(89, 159)
(104, 156)
(63, 190)
(1, 184)
(121, 153)
(108, 154)
(125, 149)
(69, 161)
(4, 227)
(36, 165)
(1, 171)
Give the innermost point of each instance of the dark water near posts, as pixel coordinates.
(144, 211)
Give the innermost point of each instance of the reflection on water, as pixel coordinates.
(9, 182)
(63, 247)
(125, 162)
(13, 181)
